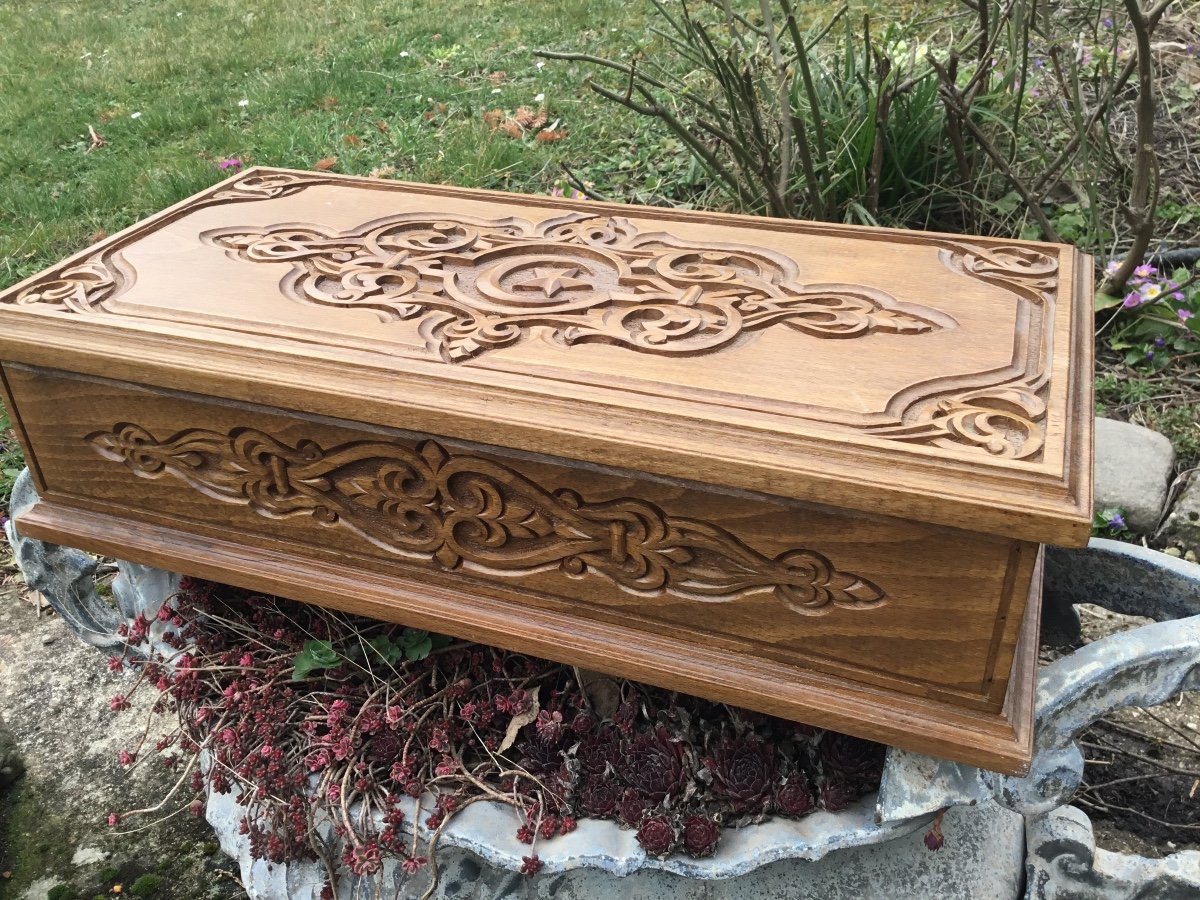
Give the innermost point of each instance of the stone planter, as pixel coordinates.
(1001, 832)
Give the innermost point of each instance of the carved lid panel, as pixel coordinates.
(931, 376)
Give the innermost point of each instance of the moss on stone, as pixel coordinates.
(146, 886)
(28, 847)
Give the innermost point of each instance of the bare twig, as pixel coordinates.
(955, 103)
(1143, 195)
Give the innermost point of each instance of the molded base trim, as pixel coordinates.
(1001, 742)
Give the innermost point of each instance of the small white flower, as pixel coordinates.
(495, 90)
(539, 98)
(136, 115)
(178, 14)
(541, 64)
(243, 102)
(403, 53)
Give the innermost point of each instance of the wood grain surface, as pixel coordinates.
(802, 468)
(929, 377)
(919, 608)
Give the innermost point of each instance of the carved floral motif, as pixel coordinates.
(1007, 419)
(452, 509)
(481, 284)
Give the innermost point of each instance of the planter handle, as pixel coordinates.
(1141, 667)
(67, 579)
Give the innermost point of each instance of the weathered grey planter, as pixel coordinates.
(1001, 832)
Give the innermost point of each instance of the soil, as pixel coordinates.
(54, 691)
(1136, 803)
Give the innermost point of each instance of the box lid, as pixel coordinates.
(928, 376)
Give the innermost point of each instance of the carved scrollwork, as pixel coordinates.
(87, 286)
(1024, 271)
(82, 288)
(267, 186)
(453, 509)
(1008, 419)
(479, 284)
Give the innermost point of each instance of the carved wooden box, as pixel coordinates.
(801, 468)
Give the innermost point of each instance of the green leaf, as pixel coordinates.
(419, 650)
(388, 651)
(1107, 301)
(315, 655)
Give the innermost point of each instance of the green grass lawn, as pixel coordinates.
(176, 86)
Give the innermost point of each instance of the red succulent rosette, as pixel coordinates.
(654, 766)
(600, 798)
(657, 836)
(632, 808)
(835, 796)
(598, 751)
(700, 835)
(539, 757)
(795, 797)
(743, 773)
(856, 763)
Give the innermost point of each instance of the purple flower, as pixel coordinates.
(1149, 354)
(1145, 271)
(1132, 300)
(1116, 521)
(1107, 22)
(229, 164)
(1160, 342)
(1184, 314)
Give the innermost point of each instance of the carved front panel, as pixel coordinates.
(447, 509)
(896, 603)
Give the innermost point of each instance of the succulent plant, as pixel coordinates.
(700, 835)
(600, 798)
(834, 795)
(599, 750)
(856, 763)
(795, 798)
(632, 808)
(657, 836)
(540, 757)
(654, 766)
(443, 729)
(743, 773)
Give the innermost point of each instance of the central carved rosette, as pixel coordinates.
(463, 509)
(534, 278)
